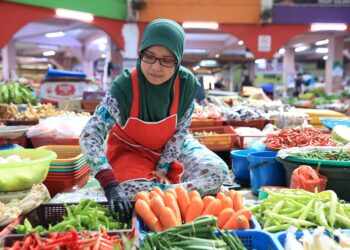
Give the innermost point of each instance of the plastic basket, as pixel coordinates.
(67, 169)
(65, 153)
(259, 124)
(331, 122)
(243, 141)
(43, 141)
(197, 122)
(223, 140)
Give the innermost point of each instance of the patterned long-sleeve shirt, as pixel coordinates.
(107, 114)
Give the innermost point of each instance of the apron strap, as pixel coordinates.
(175, 104)
(136, 94)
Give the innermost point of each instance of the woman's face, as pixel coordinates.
(158, 64)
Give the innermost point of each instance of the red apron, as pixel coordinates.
(135, 149)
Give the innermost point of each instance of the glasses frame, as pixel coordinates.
(160, 59)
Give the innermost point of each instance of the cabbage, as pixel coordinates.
(341, 133)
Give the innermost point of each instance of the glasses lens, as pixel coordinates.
(148, 58)
(167, 62)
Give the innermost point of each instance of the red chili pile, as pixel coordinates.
(70, 240)
(299, 138)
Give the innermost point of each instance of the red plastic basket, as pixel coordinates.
(196, 122)
(43, 141)
(223, 140)
(22, 141)
(259, 124)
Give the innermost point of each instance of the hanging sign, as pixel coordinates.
(264, 43)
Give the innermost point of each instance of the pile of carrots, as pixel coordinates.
(162, 210)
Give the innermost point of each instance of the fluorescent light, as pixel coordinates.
(195, 51)
(103, 55)
(281, 51)
(240, 42)
(322, 42)
(260, 61)
(208, 63)
(83, 16)
(328, 26)
(51, 47)
(102, 47)
(325, 58)
(301, 48)
(49, 53)
(100, 40)
(55, 34)
(217, 55)
(321, 50)
(200, 25)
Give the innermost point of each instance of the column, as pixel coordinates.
(251, 71)
(131, 43)
(9, 61)
(334, 64)
(288, 67)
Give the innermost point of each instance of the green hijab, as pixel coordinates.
(156, 100)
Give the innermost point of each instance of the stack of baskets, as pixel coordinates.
(68, 170)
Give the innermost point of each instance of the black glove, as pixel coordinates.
(118, 202)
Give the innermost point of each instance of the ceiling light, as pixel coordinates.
(322, 42)
(328, 26)
(195, 51)
(55, 34)
(321, 50)
(78, 15)
(217, 55)
(100, 40)
(282, 51)
(49, 53)
(200, 25)
(260, 61)
(325, 58)
(301, 48)
(103, 55)
(240, 42)
(208, 63)
(51, 47)
(102, 47)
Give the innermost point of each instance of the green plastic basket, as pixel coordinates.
(324, 163)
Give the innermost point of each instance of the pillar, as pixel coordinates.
(251, 71)
(334, 64)
(130, 33)
(9, 61)
(288, 67)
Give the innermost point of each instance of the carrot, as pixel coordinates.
(213, 208)
(144, 211)
(207, 200)
(158, 191)
(195, 209)
(237, 201)
(226, 202)
(194, 193)
(231, 194)
(183, 200)
(170, 201)
(153, 194)
(172, 191)
(143, 195)
(168, 218)
(220, 195)
(224, 216)
(237, 222)
(246, 212)
(156, 205)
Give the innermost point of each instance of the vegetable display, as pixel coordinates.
(161, 211)
(302, 209)
(299, 137)
(334, 155)
(16, 93)
(196, 235)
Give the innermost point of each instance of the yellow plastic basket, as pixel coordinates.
(65, 153)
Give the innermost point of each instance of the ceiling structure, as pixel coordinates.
(201, 44)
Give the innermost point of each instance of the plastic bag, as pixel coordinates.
(307, 178)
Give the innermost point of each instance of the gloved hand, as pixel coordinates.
(118, 201)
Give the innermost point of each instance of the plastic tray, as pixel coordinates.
(331, 122)
(224, 140)
(65, 153)
(197, 122)
(43, 141)
(259, 124)
(68, 175)
(67, 169)
(243, 141)
(68, 166)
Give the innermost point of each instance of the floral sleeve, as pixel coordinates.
(172, 148)
(94, 134)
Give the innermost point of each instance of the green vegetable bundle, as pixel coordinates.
(16, 93)
(334, 155)
(302, 209)
(198, 234)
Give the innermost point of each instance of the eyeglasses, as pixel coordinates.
(164, 61)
